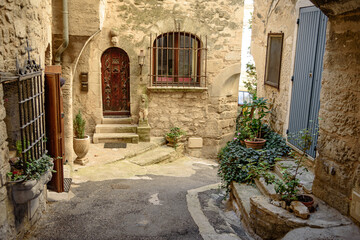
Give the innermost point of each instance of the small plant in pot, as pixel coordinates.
(174, 136)
(81, 142)
(289, 187)
(252, 122)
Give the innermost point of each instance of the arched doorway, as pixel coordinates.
(115, 77)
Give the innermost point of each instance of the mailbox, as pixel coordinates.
(84, 79)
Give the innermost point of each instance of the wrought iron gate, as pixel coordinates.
(305, 98)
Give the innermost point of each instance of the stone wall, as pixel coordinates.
(19, 20)
(337, 168)
(276, 16)
(135, 20)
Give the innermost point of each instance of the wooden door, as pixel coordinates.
(55, 129)
(115, 75)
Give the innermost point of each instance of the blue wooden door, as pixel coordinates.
(305, 96)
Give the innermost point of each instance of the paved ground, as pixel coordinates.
(120, 200)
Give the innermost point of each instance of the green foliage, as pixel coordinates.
(253, 114)
(275, 141)
(32, 169)
(288, 187)
(79, 126)
(243, 165)
(175, 133)
(251, 82)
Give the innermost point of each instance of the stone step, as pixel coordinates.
(157, 155)
(116, 128)
(306, 177)
(115, 138)
(266, 189)
(125, 120)
(240, 199)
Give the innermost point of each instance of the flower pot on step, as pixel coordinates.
(81, 148)
(307, 200)
(258, 143)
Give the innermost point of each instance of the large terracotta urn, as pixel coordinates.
(81, 148)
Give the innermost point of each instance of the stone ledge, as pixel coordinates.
(177, 89)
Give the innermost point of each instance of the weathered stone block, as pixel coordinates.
(355, 206)
(194, 142)
(300, 209)
(144, 133)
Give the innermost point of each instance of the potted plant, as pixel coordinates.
(288, 188)
(28, 176)
(252, 122)
(174, 136)
(81, 142)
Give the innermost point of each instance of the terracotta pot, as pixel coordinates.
(81, 148)
(257, 144)
(307, 200)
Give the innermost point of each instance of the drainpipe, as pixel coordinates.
(65, 42)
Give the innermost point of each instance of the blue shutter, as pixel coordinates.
(305, 97)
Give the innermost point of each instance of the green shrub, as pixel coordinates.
(237, 162)
(79, 126)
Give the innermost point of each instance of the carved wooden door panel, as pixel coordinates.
(115, 74)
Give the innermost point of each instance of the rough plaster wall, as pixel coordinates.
(80, 11)
(18, 20)
(339, 142)
(221, 21)
(274, 16)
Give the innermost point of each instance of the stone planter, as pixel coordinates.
(172, 142)
(257, 144)
(23, 192)
(81, 148)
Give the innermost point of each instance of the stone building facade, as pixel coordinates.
(208, 112)
(337, 162)
(19, 20)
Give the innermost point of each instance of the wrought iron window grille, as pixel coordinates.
(29, 80)
(178, 59)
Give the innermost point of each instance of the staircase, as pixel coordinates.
(116, 130)
(252, 204)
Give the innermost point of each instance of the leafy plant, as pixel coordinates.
(79, 126)
(25, 168)
(175, 133)
(288, 188)
(31, 169)
(251, 82)
(243, 165)
(253, 114)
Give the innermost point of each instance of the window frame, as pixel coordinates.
(276, 83)
(198, 50)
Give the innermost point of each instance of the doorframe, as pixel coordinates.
(101, 85)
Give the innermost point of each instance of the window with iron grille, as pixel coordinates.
(178, 59)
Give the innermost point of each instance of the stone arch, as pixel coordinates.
(226, 82)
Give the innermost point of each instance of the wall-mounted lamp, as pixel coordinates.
(141, 60)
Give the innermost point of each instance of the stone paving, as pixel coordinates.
(113, 198)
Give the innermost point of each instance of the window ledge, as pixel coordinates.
(176, 89)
